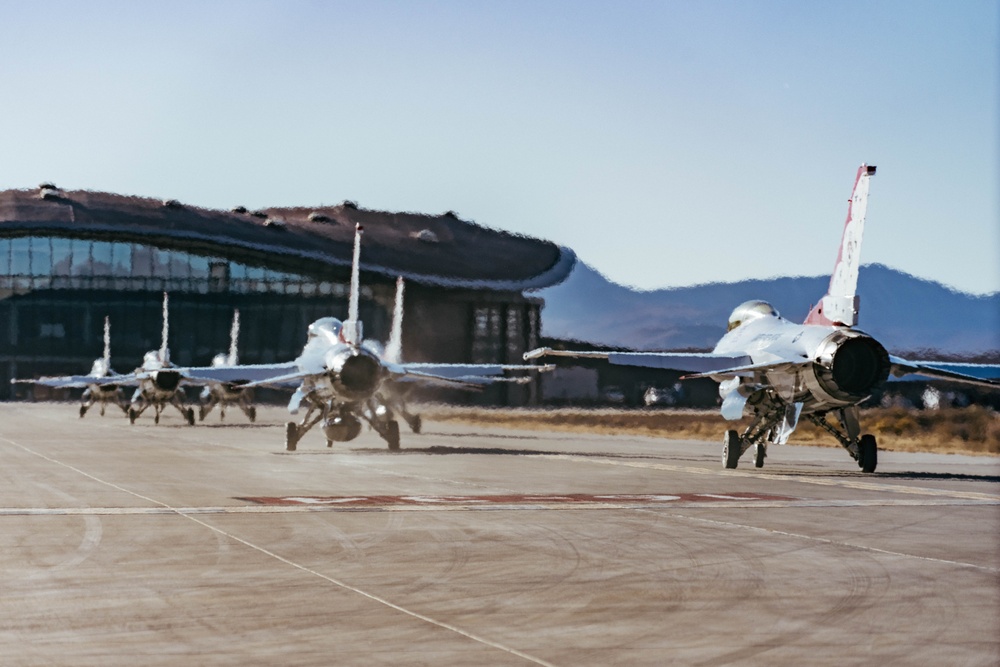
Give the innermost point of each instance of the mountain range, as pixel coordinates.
(905, 313)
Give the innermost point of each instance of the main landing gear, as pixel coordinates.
(342, 423)
(137, 408)
(765, 429)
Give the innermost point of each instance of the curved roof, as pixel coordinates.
(438, 250)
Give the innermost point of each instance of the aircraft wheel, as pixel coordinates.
(731, 449)
(83, 411)
(867, 453)
(189, 413)
(291, 436)
(759, 454)
(156, 418)
(329, 443)
(201, 413)
(132, 414)
(252, 414)
(416, 424)
(392, 435)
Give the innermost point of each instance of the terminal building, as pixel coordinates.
(68, 259)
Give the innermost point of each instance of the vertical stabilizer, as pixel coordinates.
(107, 342)
(839, 307)
(352, 326)
(234, 337)
(164, 351)
(394, 348)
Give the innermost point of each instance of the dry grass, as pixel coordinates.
(972, 430)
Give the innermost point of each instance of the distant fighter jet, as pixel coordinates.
(225, 394)
(783, 371)
(339, 375)
(96, 391)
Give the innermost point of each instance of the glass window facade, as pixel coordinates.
(42, 262)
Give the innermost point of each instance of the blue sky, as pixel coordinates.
(668, 143)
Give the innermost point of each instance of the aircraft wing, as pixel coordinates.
(984, 375)
(465, 375)
(67, 381)
(707, 363)
(250, 375)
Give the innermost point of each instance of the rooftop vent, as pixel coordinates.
(239, 209)
(48, 191)
(171, 203)
(274, 223)
(316, 216)
(426, 235)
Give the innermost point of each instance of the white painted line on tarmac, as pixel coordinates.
(478, 506)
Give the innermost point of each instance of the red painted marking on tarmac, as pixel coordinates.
(511, 499)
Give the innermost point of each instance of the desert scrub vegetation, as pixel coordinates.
(970, 430)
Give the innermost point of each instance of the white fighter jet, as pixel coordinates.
(102, 384)
(782, 371)
(159, 381)
(226, 394)
(338, 376)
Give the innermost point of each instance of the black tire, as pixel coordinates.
(252, 414)
(391, 435)
(156, 418)
(867, 453)
(416, 424)
(731, 449)
(189, 414)
(132, 414)
(291, 436)
(83, 411)
(758, 455)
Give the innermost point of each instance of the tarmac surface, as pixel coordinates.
(210, 545)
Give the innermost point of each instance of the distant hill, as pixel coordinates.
(905, 313)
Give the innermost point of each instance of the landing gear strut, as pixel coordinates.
(862, 448)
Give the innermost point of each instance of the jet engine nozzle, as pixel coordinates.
(357, 373)
(342, 428)
(166, 380)
(850, 364)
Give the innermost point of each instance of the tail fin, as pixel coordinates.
(164, 351)
(107, 341)
(234, 337)
(352, 326)
(394, 348)
(840, 304)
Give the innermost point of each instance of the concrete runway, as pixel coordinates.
(209, 545)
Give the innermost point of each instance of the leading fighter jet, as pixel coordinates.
(338, 376)
(782, 371)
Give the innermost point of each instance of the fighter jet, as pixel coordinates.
(338, 376)
(159, 381)
(782, 371)
(226, 394)
(95, 390)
